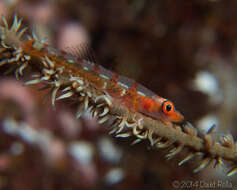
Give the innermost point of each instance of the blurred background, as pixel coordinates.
(183, 50)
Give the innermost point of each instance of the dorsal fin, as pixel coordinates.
(82, 52)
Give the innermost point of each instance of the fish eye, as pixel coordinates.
(167, 107)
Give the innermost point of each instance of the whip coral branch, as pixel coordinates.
(109, 97)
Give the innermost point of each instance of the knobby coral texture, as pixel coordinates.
(129, 108)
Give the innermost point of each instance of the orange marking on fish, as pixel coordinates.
(113, 88)
(133, 89)
(148, 104)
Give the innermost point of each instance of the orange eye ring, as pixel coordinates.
(167, 107)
